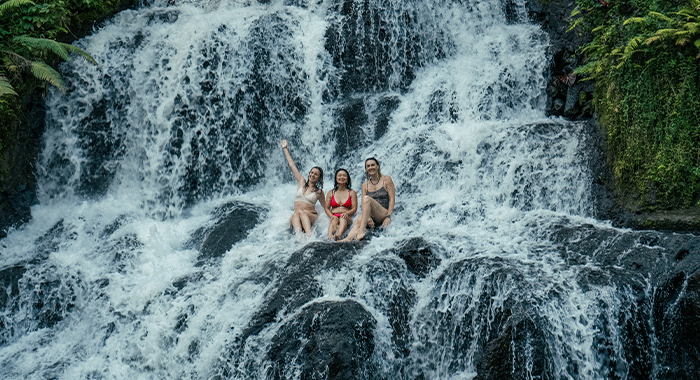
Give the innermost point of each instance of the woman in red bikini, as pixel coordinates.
(341, 204)
(308, 192)
(378, 197)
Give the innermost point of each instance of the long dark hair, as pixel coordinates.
(379, 167)
(335, 179)
(319, 183)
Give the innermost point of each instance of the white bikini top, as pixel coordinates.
(300, 197)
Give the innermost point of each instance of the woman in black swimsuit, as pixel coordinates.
(378, 197)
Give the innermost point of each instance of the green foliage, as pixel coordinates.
(24, 53)
(33, 38)
(645, 60)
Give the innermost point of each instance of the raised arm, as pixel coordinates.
(300, 178)
(392, 198)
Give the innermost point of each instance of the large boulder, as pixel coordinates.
(326, 340)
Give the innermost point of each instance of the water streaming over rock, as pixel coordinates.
(161, 250)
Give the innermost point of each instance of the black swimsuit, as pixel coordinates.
(381, 196)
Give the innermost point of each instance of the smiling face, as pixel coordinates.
(341, 177)
(371, 167)
(314, 175)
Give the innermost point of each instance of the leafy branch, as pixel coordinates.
(27, 54)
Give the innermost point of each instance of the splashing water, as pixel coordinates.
(184, 114)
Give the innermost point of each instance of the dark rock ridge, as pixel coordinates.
(566, 95)
(233, 222)
(334, 339)
(331, 340)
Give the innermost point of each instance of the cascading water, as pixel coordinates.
(179, 127)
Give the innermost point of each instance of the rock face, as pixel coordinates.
(659, 324)
(17, 181)
(333, 339)
(327, 340)
(234, 221)
(566, 95)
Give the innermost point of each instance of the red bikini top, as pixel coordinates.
(347, 204)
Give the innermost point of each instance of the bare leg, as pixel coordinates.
(332, 227)
(295, 221)
(307, 219)
(374, 213)
(342, 226)
(353, 230)
(358, 230)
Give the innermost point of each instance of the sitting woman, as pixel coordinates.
(378, 197)
(341, 204)
(308, 192)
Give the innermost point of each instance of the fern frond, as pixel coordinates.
(665, 33)
(587, 69)
(635, 20)
(59, 48)
(5, 87)
(697, 43)
(633, 45)
(14, 3)
(652, 39)
(44, 44)
(76, 50)
(46, 73)
(660, 16)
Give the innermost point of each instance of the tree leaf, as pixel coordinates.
(46, 73)
(635, 20)
(5, 87)
(76, 50)
(44, 44)
(14, 3)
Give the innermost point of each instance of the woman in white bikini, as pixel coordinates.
(308, 192)
(378, 197)
(341, 204)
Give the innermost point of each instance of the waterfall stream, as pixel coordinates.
(181, 122)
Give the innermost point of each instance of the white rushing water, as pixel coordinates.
(185, 112)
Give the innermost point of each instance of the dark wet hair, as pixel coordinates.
(379, 169)
(319, 183)
(335, 179)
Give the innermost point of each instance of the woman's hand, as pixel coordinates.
(386, 221)
(284, 144)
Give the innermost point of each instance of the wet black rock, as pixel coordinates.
(234, 222)
(351, 116)
(661, 272)
(566, 95)
(326, 340)
(524, 346)
(31, 301)
(419, 255)
(298, 285)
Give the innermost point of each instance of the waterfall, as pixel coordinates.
(178, 128)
